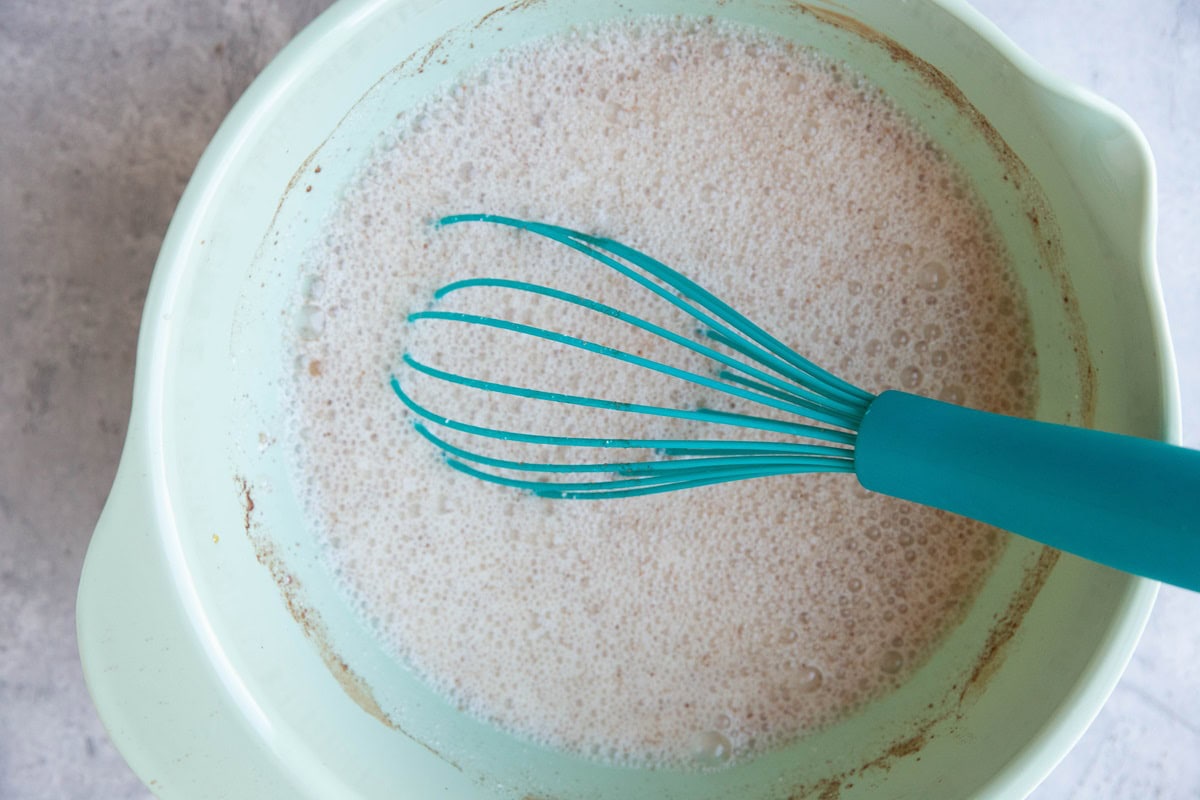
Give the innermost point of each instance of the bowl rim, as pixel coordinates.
(140, 482)
(1098, 681)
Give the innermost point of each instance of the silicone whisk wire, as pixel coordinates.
(768, 373)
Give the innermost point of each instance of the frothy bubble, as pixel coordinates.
(932, 276)
(704, 609)
(710, 747)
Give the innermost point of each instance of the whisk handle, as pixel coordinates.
(1130, 503)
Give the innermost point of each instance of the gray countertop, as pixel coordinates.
(106, 107)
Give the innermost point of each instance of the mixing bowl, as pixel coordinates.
(221, 656)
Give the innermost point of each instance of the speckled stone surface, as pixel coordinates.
(104, 109)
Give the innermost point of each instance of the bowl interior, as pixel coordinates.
(1001, 700)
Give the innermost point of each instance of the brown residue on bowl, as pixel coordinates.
(247, 502)
(1043, 226)
(311, 623)
(1045, 235)
(433, 48)
(830, 788)
(827, 789)
(992, 655)
(1044, 229)
(517, 6)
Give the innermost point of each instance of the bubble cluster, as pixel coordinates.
(695, 628)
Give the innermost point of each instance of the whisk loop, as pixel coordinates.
(761, 370)
(1120, 500)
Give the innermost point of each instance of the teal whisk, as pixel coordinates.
(1130, 503)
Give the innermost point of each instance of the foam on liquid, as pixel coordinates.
(689, 628)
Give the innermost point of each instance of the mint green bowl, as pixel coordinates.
(221, 657)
